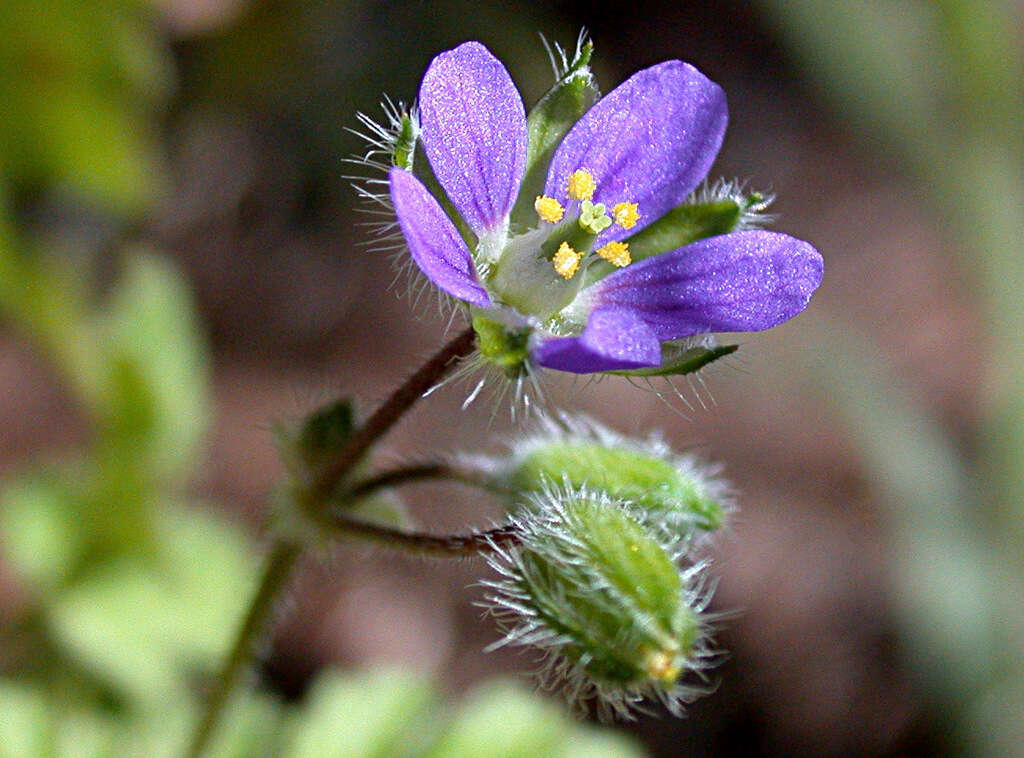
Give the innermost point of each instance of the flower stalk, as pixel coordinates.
(285, 554)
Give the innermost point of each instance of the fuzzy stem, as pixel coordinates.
(392, 409)
(284, 556)
(442, 546)
(420, 472)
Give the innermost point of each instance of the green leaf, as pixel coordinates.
(26, 729)
(157, 401)
(38, 530)
(80, 83)
(502, 721)
(143, 626)
(678, 360)
(369, 715)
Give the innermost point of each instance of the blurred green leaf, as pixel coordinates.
(80, 82)
(35, 724)
(37, 533)
(144, 627)
(367, 715)
(501, 720)
(158, 398)
(25, 726)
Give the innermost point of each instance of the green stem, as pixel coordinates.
(280, 562)
(420, 472)
(285, 555)
(392, 409)
(442, 546)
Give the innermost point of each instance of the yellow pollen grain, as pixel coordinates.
(566, 261)
(581, 185)
(625, 214)
(548, 209)
(616, 253)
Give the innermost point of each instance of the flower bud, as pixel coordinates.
(602, 594)
(663, 489)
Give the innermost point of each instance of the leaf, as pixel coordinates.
(158, 393)
(144, 626)
(368, 715)
(38, 533)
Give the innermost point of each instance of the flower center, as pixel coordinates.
(590, 220)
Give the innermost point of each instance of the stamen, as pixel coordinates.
(625, 214)
(548, 209)
(566, 261)
(581, 185)
(616, 253)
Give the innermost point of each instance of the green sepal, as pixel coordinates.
(685, 224)
(326, 431)
(506, 347)
(404, 149)
(682, 225)
(548, 123)
(678, 360)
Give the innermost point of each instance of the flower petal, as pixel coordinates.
(740, 282)
(473, 128)
(433, 240)
(614, 339)
(650, 141)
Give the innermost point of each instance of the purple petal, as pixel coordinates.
(649, 141)
(613, 340)
(433, 240)
(474, 133)
(740, 282)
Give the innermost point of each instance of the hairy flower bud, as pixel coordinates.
(603, 595)
(664, 490)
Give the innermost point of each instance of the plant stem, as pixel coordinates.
(450, 546)
(284, 555)
(278, 569)
(392, 409)
(420, 472)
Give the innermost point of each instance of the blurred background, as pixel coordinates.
(183, 265)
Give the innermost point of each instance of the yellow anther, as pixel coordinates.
(616, 253)
(581, 185)
(566, 261)
(625, 214)
(548, 209)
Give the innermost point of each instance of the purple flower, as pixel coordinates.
(565, 283)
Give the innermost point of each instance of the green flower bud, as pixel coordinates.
(602, 594)
(663, 489)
